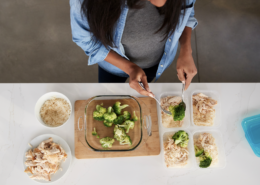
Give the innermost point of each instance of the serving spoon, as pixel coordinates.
(165, 111)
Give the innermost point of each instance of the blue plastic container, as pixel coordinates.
(251, 126)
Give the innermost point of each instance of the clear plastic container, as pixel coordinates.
(191, 158)
(135, 134)
(214, 95)
(186, 123)
(220, 146)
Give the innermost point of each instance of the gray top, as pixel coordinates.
(142, 46)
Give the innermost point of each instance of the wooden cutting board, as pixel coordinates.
(149, 146)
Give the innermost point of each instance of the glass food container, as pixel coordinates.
(136, 134)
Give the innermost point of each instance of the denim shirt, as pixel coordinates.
(97, 52)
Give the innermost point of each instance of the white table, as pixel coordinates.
(18, 126)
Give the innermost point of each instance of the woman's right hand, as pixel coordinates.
(136, 75)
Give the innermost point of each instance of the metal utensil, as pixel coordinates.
(182, 96)
(167, 112)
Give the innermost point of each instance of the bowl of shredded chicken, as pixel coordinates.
(44, 161)
(167, 120)
(53, 109)
(204, 112)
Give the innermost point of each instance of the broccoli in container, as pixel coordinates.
(117, 107)
(178, 112)
(127, 115)
(128, 124)
(106, 142)
(134, 118)
(198, 151)
(126, 141)
(119, 120)
(119, 133)
(94, 133)
(121, 136)
(99, 113)
(181, 138)
(109, 117)
(205, 160)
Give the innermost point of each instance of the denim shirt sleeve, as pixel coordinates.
(97, 52)
(192, 21)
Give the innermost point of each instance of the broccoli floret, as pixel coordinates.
(119, 120)
(119, 133)
(128, 124)
(117, 108)
(99, 113)
(134, 118)
(126, 141)
(181, 138)
(106, 142)
(101, 109)
(98, 116)
(127, 115)
(109, 116)
(198, 151)
(108, 124)
(178, 112)
(205, 160)
(94, 133)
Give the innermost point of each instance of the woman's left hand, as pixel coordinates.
(186, 68)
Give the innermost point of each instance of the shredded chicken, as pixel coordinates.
(44, 160)
(174, 155)
(203, 111)
(207, 142)
(167, 120)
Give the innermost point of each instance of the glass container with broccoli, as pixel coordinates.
(122, 121)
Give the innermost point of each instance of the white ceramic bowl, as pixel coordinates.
(41, 101)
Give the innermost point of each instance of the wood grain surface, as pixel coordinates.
(149, 146)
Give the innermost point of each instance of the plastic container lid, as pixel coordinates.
(251, 126)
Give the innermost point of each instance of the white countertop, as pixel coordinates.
(18, 126)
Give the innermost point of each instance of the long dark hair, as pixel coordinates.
(102, 16)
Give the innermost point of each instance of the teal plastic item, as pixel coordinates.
(251, 126)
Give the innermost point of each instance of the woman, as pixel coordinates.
(135, 38)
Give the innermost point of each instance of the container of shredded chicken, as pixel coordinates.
(175, 156)
(212, 143)
(53, 109)
(205, 108)
(171, 99)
